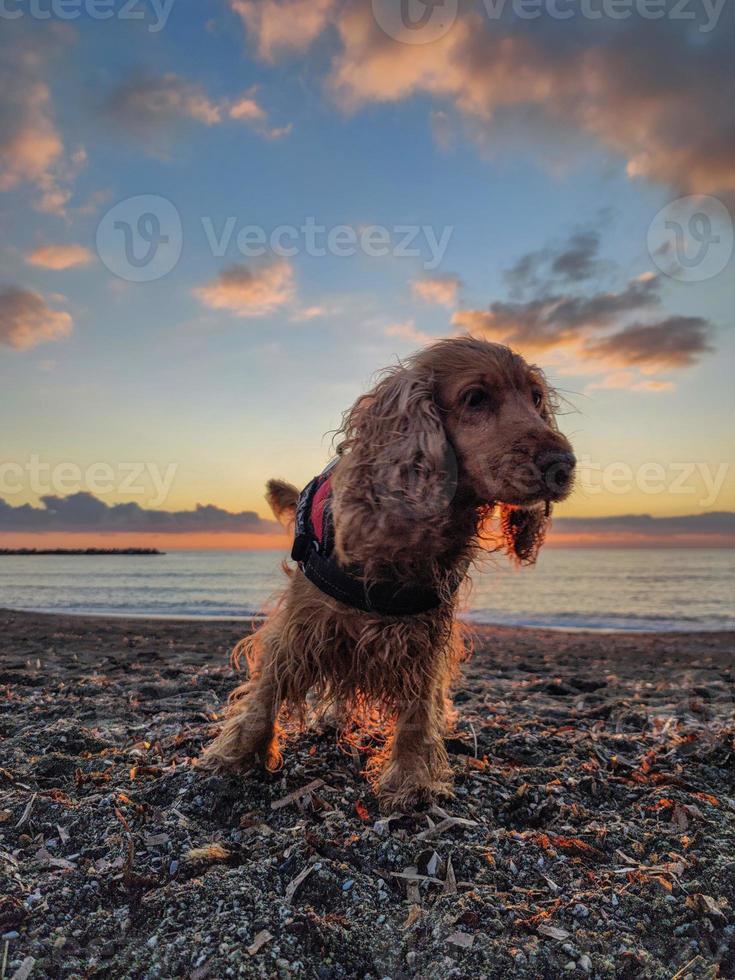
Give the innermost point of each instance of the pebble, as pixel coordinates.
(585, 963)
(580, 911)
(11, 935)
(348, 884)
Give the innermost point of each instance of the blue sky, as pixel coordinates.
(311, 111)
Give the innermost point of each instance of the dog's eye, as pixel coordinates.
(538, 397)
(475, 398)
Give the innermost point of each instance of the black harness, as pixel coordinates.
(313, 549)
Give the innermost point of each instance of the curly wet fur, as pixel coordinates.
(366, 667)
(405, 506)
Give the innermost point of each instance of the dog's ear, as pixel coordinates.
(397, 472)
(524, 530)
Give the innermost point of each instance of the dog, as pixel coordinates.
(459, 435)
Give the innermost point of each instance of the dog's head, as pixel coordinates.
(462, 422)
(498, 415)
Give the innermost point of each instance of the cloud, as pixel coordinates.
(250, 291)
(559, 310)
(409, 331)
(570, 262)
(85, 512)
(59, 257)
(26, 320)
(675, 342)
(715, 527)
(154, 107)
(30, 142)
(578, 260)
(146, 102)
(545, 322)
(282, 26)
(310, 313)
(31, 147)
(653, 93)
(628, 381)
(246, 109)
(437, 289)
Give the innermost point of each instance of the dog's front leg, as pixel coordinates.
(417, 766)
(251, 729)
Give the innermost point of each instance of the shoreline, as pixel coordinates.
(471, 624)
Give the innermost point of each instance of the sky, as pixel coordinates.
(221, 218)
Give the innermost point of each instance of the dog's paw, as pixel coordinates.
(409, 795)
(232, 752)
(399, 788)
(211, 763)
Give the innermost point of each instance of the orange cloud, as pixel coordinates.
(34, 145)
(557, 311)
(409, 331)
(628, 381)
(646, 93)
(250, 291)
(437, 289)
(59, 257)
(310, 313)
(31, 147)
(26, 320)
(280, 26)
(151, 107)
(247, 109)
(551, 319)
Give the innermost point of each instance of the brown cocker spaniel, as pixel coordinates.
(461, 432)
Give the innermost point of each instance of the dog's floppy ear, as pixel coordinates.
(397, 472)
(524, 530)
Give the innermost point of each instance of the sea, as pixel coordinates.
(571, 589)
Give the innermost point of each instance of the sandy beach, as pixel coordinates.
(592, 832)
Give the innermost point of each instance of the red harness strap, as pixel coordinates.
(318, 503)
(312, 549)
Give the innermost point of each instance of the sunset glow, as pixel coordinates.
(206, 261)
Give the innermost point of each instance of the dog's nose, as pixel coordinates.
(556, 469)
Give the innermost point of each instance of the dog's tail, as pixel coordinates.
(282, 498)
